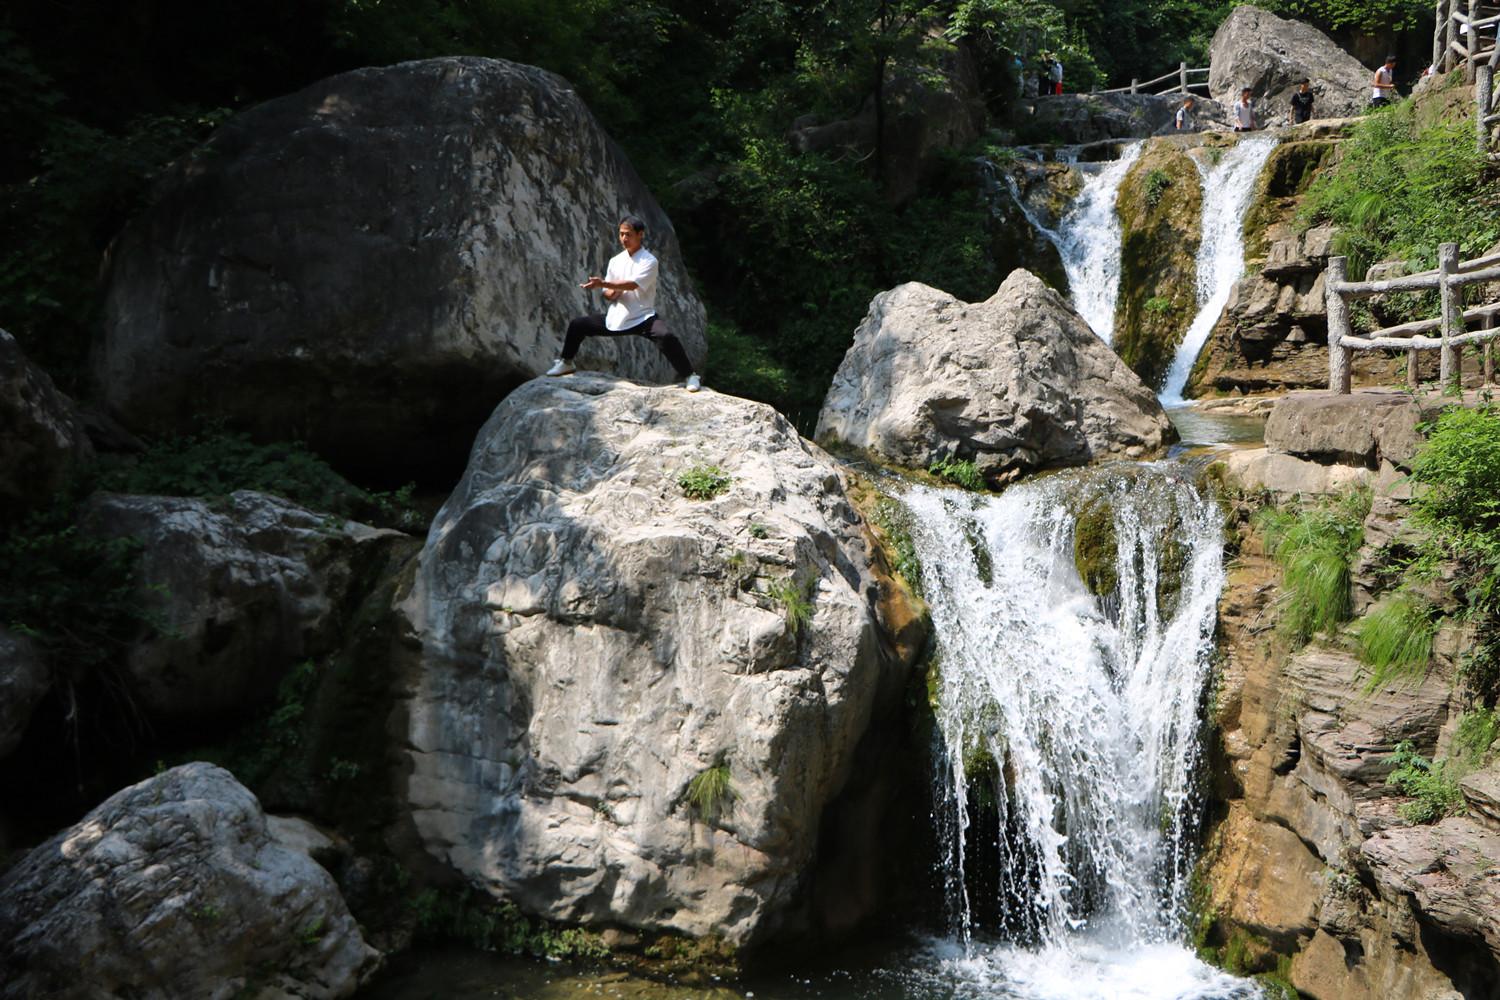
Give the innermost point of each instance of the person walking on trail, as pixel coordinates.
(1184, 120)
(1055, 74)
(1383, 87)
(1244, 113)
(1302, 102)
(629, 285)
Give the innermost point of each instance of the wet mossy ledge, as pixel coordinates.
(1160, 205)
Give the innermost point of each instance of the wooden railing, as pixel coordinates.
(1450, 279)
(1181, 74)
(1464, 33)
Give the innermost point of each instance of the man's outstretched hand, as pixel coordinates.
(594, 282)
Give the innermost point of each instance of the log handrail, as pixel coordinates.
(1449, 278)
(1181, 74)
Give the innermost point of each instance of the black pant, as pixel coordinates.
(653, 329)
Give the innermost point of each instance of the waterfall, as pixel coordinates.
(1088, 240)
(1227, 187)
(1070, 723)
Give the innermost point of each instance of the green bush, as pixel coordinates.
(1314, 547)
(703, 482)
(795, 600)
(959, 472)
(1394, 639)
(1431, 784)
(1157, 182)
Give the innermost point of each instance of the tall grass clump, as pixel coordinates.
(1395, 639)
(1314, 547)
(711, 793)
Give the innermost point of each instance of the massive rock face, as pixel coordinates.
(242, 589)
(1082, 118)
(175, 888)
(1014, 383)
(371, 263)
(42, 437)
(598, 647)
(1254, 48)
(24, 679)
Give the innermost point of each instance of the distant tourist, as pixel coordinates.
(1302, 103)
(1244, 112)
(1383, 88)
(629, 285)
(1055, 74)
(1184, 120)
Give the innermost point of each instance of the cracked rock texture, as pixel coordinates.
(371, 263)
(1014, 383)
(175, 888)
(592, 640)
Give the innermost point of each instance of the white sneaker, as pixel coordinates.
(561, 367)
(693, 383)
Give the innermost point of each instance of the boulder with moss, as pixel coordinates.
(1014, 383)
(176, 887)
(651, 644)
(239, 590)
(370, 263)
(1160, 208)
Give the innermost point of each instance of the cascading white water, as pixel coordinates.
(1070, 723)
(1227, 187)
(1087, 239)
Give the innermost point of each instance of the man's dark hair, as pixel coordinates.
(1390, 59)
(1304, 82)
(635, 223)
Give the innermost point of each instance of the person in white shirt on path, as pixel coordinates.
(1383, 88)
(1244, 112)
(629, 285)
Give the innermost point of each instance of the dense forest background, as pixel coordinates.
(97, 96)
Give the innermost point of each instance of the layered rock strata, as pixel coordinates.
(1014, 383)
(650, 642)
(371, 263)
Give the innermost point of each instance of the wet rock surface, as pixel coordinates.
(1015, 383)
(175, 888)
(639, 685)
(371, 263)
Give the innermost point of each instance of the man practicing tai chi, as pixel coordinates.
(629, 284)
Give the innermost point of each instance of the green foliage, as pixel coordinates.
(1381, 16)
(1432, 785)
(711, 793)
(1400, 189)
(489, 925)
(795, 600)
(1395, 639)
(703, 482)
(894, 521)
(216, 463)
(959, 472)
(1314, 547)
(1477, 732)
(759, 530)
(1158, 305)
(1157, 182)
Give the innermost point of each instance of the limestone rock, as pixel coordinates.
(244, 588)
(1160, 205)
(1482, 792)
(593, 640)
(1073, 119)
(1257, 470)
(1015, 383)
(1254, 48)
(1449, 870)
(174, 888)
(42, 436)
(1364, 428)
(369, 264)
(24, 679)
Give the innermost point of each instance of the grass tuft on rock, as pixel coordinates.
(711, 793)
(960, 472)
(796, 600)
(703, 482)
(1314, 547)
(1394, 639)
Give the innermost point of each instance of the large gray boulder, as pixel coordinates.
(371, 263)
(176, 888)
(24, 679)
(596, 644)
(242, 589)
(1254, 48)
(1014, 383)
(42, 437)
(1085, 118)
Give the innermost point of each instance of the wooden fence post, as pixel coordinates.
(1471, 39)
(1438, 34)
(1450, 35)
(1338, 326)
(1483, 95)
(1135, 84)
(1450, 369)
(1182, 76)
(1413, 374)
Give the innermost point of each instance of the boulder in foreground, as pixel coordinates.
(371, 263)
(175, 888)
(651, 641)
(1015, 383)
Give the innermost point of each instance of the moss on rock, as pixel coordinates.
(1160, 208)
(1095, 546)
(1283, 180)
